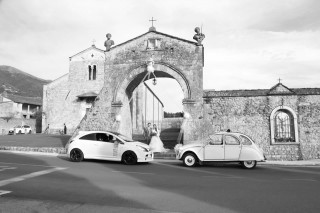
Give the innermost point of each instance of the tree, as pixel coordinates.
(8, 116)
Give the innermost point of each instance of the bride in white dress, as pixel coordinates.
(156, 144)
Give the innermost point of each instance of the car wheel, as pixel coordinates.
(29, 131)
(189, 160)
(19, 132)
(129, 158)
(76, 155)
(250, 164)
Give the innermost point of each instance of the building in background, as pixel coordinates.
(18, 110)
(19, 106)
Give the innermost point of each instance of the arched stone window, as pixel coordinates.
(92, 71)
(284, 126)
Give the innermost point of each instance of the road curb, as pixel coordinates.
(57, 150)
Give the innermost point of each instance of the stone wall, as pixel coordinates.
(309, 126)
(168, 123)
(251, 116)
(6, 109)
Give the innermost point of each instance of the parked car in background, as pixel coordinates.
(20, 129)
(105, 145)
(223, 147)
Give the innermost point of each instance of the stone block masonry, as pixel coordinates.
(251, 115)
(125, 67)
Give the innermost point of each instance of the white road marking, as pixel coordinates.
(28, 176)
(2, 168)
(215, 176)
(295, 170)
(141, 173)
(4, 192)
(21, 164)
(302, 180)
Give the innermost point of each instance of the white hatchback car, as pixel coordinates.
(23, 129)
(107, 146)
(223, 147)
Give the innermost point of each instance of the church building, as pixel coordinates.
(67, 99)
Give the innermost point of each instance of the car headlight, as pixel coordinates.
(143, 149)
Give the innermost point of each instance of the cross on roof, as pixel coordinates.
(93, 41)
(152, 21)
(279, 80)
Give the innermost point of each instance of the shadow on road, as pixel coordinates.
(75, 185)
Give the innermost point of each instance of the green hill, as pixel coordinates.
(17, 82)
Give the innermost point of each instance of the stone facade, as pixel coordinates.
(125, 68)
(67, 99)
(250, 112)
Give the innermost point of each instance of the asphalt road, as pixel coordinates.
(34, 183)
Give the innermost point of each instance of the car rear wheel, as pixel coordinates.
(129, 158)
(189, 160)
(29, 131)
(19, 132)
(250, 164)
(76, 155)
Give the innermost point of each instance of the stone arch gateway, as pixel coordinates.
(136, 75)
(125, 67)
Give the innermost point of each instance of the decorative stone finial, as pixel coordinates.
(152, 28)
(199, 36)
(108, 43)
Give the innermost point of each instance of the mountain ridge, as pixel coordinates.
(18, 82)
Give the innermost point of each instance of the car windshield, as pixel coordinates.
(123, 137)
(246, 140)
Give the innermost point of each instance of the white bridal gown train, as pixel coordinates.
(156, 145)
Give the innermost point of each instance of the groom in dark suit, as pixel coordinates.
(147, 132)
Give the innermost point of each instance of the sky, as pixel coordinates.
(249, 44)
